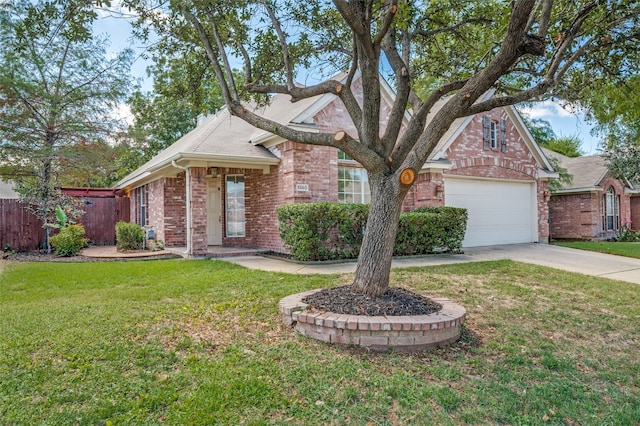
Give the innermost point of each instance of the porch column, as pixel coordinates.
(198, 208)
(543, 197)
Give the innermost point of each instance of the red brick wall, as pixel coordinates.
(262, 195)
(634, 207)
(426, 191)
(469, 158)
(543, 195)
(198, 211)
(580, 215)
(175, 211)
(625, 207)
(575, 215)
(155, 193)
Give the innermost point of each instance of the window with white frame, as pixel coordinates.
(494, 132)
(610, 210)
(143, 205)
(343, 156)
(353, 185)
(235, 209)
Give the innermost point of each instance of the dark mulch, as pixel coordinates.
(40, 256)
(396, 301)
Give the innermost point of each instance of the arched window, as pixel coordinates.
(610, 210)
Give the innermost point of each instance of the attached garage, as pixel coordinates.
(500, 211)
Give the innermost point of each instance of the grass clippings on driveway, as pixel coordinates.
(201, 342)
(618, 248)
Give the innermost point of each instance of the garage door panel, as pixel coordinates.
(499, 212)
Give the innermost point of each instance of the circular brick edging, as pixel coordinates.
(380, 333)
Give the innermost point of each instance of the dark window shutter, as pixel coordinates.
(503, 135)
(486, 131)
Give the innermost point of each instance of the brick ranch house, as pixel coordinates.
(220, 184)
(595, 205)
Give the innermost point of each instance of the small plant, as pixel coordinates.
(69, 241)
(158, 245)
(129, 236)
(627, 235)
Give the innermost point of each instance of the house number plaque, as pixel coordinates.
(407, 176)
(302, 187)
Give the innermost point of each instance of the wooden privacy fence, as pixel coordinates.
(100, 217)
(19, 229)
(23, 231)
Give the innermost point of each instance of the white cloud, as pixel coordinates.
(123, 112)
(549, 109)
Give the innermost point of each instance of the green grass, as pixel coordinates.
(617, 248)
(201, 342)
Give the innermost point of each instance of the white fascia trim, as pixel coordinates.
(230, 160)
(268, 139)
(489, 179)
(604, 175)
(528, 137)
(435, 166)
(578, 190)
(134, 179)
(546, 174)
(314, 108)
(440, 154)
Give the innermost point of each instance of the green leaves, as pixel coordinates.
(326, 231)
(58, 90)
(61, 216)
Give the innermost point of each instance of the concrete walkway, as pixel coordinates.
(581, 261)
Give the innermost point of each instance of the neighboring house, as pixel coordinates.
(595, 205)
(221, 183)
(7, 192)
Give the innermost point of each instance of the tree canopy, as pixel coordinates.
(615, 108)
(58, 91)
(429, 51)
(183, 88)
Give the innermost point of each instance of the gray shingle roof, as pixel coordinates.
(587, 171)
(222, 137)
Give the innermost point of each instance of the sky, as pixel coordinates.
(116, 25)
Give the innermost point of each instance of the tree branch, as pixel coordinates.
(283, 43)
(211, 53)
(225, 60)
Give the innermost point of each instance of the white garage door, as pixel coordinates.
(499, 212)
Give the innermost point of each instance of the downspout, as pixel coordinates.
(188, 204)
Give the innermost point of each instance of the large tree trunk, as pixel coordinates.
(374, 262)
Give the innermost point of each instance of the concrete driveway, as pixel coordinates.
(584, 262)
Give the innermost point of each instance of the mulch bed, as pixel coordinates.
(39, 256)
(396, 301)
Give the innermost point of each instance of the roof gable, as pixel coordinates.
(459, 125)
(588, 171)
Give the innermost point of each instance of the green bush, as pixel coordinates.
(322, 231)
(326, 231)
(627, 235)
(129, 236)
(69, 241)
(452, 225)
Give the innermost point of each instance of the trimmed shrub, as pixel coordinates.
(69, 241)
(322, 231)
(129, 236)
(326, 231)
(453, 224)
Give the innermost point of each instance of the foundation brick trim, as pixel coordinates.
(379, 333)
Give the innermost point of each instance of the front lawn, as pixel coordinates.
(201, 342)
(618, 248)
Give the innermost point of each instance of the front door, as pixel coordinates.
(214, 213)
